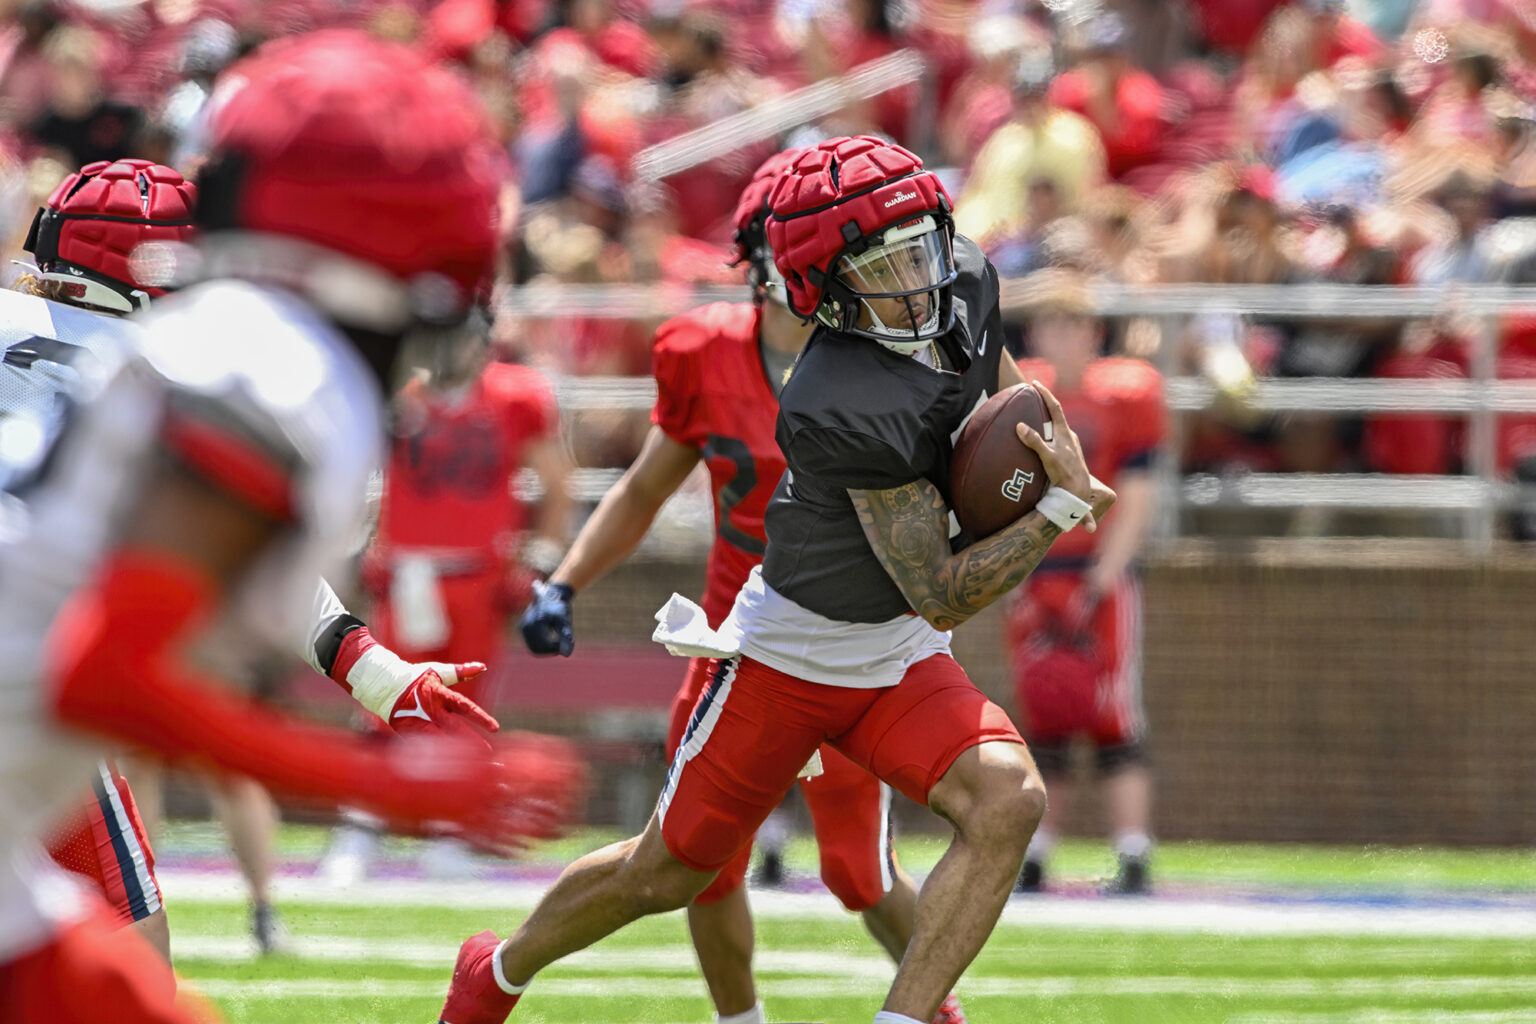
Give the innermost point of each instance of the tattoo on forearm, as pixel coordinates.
(908, 528)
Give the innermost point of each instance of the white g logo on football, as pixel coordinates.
(1013, 489)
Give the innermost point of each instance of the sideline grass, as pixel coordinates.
(364, 963)
(827, 970)
(1382, 868)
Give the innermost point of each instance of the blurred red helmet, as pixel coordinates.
(856, 218)
(86, 236)
(750, 237)
(364, 149)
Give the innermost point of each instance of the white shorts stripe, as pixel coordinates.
(711, 704)
(141, 872)
(885, 853)
(1127, 683)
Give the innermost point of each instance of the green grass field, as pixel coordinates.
(1237, 934)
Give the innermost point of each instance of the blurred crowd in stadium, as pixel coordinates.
(1225, 141)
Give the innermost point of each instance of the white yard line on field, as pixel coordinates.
(1225, 916)
(676, 959)
(1052, 987)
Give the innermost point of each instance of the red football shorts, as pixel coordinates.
(106, 844)
(1077, 675)
(754, 728)
(92, 972)
(850, 815)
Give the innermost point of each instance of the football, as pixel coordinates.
(993, 478)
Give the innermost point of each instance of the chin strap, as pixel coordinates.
(896, 340)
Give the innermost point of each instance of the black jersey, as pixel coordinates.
(856, 415)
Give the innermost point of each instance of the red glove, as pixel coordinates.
(113, 663)
(413, 698)
(428, 707)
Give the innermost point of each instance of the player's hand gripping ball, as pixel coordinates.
(994, 478)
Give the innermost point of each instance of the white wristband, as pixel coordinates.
(1062, 507)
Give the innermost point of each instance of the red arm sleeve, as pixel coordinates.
(113, 668)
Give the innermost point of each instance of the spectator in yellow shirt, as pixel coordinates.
(1038, 142)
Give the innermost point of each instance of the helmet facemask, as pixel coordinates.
(897, 290)
(766, 280)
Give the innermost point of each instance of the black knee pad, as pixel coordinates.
(1109, 760)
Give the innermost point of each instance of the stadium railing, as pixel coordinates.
(774, 117)
(1478, 496)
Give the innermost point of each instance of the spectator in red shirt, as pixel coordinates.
(1124, 103)
(1336, 35)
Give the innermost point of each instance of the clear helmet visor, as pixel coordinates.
(899, 284)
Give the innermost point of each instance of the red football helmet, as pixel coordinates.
(357, 172)
(86, 236)
(863, 235)
(751, 237)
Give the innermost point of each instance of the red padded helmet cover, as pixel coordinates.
(99, 215)
(753, 204)
(365, 148)
(836, 195)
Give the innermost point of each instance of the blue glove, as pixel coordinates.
(546, 624)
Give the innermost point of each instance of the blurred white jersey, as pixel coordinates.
(250, 361)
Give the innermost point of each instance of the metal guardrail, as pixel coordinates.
(1480, 496)
(776, 116)
(1362, 395)
(1191, 394)
(1361, 491)
(1302, 301)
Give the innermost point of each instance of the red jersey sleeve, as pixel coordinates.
(679, 387)
(1143, 417)
(526, 399)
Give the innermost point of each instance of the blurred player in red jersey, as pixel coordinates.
(454, 555)
(718, 372)
(1074, 626)
(454, 538)
(175, 512)
(841, 635)
(83, 241)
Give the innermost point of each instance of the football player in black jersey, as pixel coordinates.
(840, 636)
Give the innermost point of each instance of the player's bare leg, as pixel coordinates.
(723, 937)
(156, 930)
(1042, 844)
(596, 896)
(890, 921)
(1128, 805)
(994, 798)
(250, 820)
(1128, 800)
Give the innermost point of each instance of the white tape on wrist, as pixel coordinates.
(379, 678)
(1062, 507)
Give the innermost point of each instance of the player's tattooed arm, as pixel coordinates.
(908, 528)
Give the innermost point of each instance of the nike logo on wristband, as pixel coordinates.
(1074, 516)
(418, 713)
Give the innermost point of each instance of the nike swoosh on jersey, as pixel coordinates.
(981, 349)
